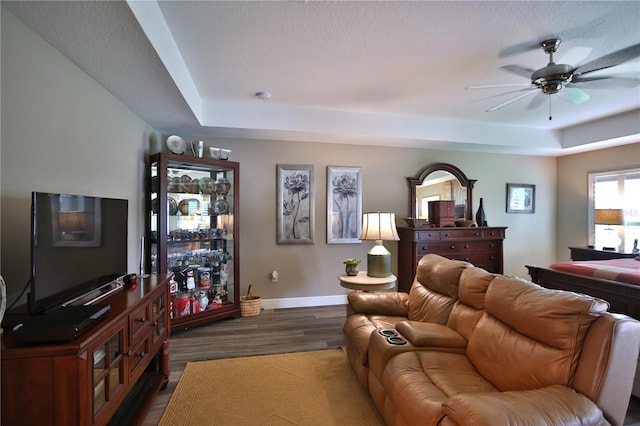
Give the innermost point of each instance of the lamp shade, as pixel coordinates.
(379, 226)
(608, 217)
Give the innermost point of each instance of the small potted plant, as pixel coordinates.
(351, 266)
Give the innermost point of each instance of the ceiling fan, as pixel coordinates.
(564, 79)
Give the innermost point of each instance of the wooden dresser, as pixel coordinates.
(481, 246)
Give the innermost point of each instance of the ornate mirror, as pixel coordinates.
(441, 181)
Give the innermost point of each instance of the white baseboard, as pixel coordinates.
(304, 302)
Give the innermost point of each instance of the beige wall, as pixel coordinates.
(572, 190)
(62, 132)
(311, 270)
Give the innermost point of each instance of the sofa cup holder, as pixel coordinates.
(392, 336)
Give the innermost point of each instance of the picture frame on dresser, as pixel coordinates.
(344, 205)
(521, 198)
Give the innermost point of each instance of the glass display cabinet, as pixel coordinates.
(193, 233)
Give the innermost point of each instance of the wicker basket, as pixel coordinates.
(250, 305)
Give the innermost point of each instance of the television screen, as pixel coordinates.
(78, 245)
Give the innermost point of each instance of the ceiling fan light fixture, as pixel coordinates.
(551, 87)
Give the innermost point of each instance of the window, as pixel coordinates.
(617, 189)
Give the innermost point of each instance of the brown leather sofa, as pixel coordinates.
(430, 299)
(510, 352)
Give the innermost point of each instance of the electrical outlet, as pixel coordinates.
(274, 276)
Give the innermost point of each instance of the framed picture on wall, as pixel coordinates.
(521, 198)
(296, 204)
(344, 205)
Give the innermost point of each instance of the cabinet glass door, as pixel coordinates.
(192, 232)
(108, 372)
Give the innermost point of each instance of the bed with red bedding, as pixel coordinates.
(617, 281)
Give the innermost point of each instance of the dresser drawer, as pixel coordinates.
(498, 234)
(462, 234)
(483, 246)
(488, 261)
(427, 235)
(443, 249)
(138, 320)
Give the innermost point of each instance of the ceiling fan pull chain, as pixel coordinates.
(550, 118)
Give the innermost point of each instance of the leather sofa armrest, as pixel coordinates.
(394, 304)
(430, 334)
(554, 404)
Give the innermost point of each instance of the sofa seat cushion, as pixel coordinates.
(553, 405)
(417, 383)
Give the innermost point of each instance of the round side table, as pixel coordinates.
(364, 282)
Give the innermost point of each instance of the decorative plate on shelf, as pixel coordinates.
(207, 185)
(173, 206)
(189, 207)
(176, 144)
(187, 184)
(174, 184)
(221, 206)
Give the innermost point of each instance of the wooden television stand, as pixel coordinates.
(109, 374)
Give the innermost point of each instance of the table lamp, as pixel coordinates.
(377, 227)
(609, 217)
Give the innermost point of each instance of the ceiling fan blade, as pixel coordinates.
(536, 101)
(612, 59)
(523, 47)
(519, 70)
(575, 56)
(497, 86)
(517, 98)
(573, 95)
(608, 82)
(629, 67)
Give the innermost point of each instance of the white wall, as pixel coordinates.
(62, 132)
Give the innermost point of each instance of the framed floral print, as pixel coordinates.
(296, 204)
(344, 204)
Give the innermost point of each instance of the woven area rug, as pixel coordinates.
(306, 388)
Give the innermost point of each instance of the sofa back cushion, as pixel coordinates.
(468, 309)
(435, 288)
(529, 336)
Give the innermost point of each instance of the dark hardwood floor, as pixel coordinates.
(273, 331)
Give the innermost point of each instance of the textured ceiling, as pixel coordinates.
(386, 73)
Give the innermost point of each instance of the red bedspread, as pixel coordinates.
(621, 270)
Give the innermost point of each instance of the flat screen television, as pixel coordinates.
(78, 249)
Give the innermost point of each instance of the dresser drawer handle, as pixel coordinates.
(142, 319)
(492, 245)
(477, 234)
(452, 247)
(466, 246)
